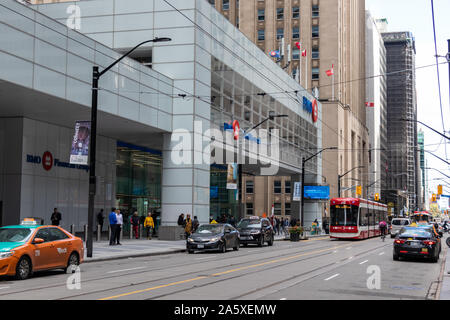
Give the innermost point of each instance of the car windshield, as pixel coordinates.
(249, 223)
(209, 229)
(14, 234)
(415, 233)
(400, 222)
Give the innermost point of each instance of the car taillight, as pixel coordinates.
(429, 243)
(399, 241)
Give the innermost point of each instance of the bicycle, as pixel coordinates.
(383, 234)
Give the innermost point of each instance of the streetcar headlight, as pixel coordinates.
(7, 254)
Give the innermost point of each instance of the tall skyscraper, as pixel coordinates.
(402, 135)
(331, 33)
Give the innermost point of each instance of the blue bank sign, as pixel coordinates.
(48, 162)
(317, 192)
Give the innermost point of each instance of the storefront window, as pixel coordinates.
(138, 185)
(223, 202)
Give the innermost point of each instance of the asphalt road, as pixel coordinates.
(313, 269)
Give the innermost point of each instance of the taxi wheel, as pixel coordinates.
(261, 241)
(23, 268)
(237, 246)
(73, 261)
(223, 247)
(270, 242)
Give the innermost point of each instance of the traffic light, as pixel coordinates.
(377, 197)
(439, 190)
(359, 190)
(433, 198)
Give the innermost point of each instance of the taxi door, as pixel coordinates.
(62, 244)
(44, 253)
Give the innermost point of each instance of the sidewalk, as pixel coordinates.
(102, 251)
(445, 286)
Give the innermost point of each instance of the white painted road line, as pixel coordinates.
(205, 258)
(337, 274)
(115, 271)
(350, 258)
(4, 288)
(283, 299)
(380, 254)
(364, 262)
(349, 248)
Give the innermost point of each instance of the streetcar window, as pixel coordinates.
(344, 215)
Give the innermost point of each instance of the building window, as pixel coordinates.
(295, 33)
(315, 53)
(213, 2)
(315, 31)
(261, 35)
(249, 186)
(287, 186)
(225, 4)
(277, 209)
(277, 186)
(249, 209)
(287, 209)
(261, 14)
(280, 33)
(315, 11)
(295, 12)
(315, 73)
(295, 54)
(280, 13)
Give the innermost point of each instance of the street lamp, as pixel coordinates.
(340, 176)
(93, 140)
(303, 180)
(272, 116)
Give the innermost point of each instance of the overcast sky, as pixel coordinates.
(415, 16)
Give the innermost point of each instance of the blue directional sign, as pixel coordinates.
(317, 192)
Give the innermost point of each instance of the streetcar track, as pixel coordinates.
(158, 269)
(266, 269)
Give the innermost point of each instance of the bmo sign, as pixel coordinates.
(46, 160)
(311, 107)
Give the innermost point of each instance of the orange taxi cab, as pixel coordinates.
(30, 247)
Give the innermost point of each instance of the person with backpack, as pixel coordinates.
(383, 226)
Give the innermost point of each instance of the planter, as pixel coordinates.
(295, 237)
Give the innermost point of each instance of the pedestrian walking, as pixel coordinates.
(188, 226)
(149, 224)
(113, 226)
(325, 225)
(135, 222)
(181, 220)
(119, 217)
(56, 217)
(277, 226)
(195, 224)
(100, 219)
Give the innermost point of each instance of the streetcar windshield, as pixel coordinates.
(344, 215)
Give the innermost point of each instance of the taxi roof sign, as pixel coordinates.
(29, 222)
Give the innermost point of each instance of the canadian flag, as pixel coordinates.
(298, 45)
(304, 53)
(331, 71)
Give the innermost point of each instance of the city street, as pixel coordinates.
(319, 268)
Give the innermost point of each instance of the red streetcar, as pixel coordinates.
(356, 218)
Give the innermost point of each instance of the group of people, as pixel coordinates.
(189, 225)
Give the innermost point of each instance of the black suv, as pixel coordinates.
(255, 230)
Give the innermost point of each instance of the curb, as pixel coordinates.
(442, 275)
(136, 255)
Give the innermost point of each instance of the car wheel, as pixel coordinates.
(223, 247)
(448, 241)
(237, 246)
(270, 242)
(190, 251)
(74, 260)
(392, 236)
(245, 245)
(396, 257)
(23, 268)
(435, 259)
(261, 241)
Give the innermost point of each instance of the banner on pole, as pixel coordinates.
(232, 176)
(297, 191)
(79, 152)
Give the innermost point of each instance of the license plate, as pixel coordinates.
(200, 246)
(410, 239)
(425, 250)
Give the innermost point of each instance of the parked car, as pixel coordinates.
(397, 224)
(256, 230)
(418, 242)
(209, 237)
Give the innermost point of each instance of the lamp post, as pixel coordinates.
(93, 141)
(340, 176)
(272, 116)
(302, 218)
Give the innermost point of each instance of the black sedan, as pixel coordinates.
(256, 230)
(212, 237)
(417, 242)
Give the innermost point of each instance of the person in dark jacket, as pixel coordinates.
(56, 217)
(135, 222)
(100, 219)
(195, 224)
(181, 220)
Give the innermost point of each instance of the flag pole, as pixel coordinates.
(306, 72)
(332, 69)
